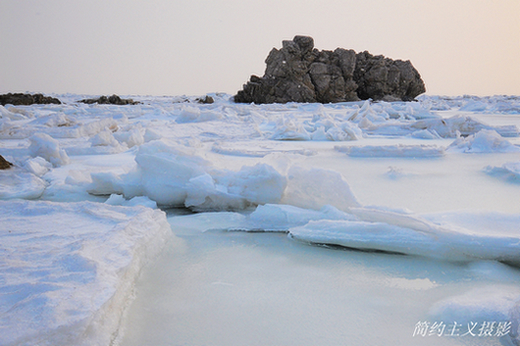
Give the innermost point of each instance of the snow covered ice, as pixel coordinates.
(180, 223)
(67, 269)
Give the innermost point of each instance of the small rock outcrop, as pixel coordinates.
(4, 164)
(19, 99)
(110, 100)
(300, 73)
(205, 100)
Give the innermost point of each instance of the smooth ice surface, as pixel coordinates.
(280, 191)
(234, 288)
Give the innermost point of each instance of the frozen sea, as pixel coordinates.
(178, 223)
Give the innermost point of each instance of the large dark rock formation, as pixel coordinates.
(19, 99)
(110, 100)
(300, 73)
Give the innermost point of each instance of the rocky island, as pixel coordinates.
(298, 72)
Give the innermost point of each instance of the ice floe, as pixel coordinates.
(449, 236)
(484, 141)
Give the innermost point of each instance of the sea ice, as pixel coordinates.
(38, 166)
(484, 141)
(171, 176)
(6, 114)
(399, 150)
(258, 184)
(131, 138)
(509, 171)
(172, 151)
(425, 134)
(464, 125)
(67, 269)
(288, 128)
(316, 188)
(280, 217)
(47, 147)
(19, 183)
(489, 303)
(415, 235)
(105, 138)
(191, 114)
(120, 200)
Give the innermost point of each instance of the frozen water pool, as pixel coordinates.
(235, 288)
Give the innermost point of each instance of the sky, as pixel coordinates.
(194, 47)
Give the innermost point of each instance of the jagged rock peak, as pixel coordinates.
(298, 72)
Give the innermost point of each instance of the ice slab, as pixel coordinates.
(488, 104)
(490, 303)
(484, 141)
(399, 150)
(45, 146)
(120, 200)
(492, 310)
(16, 182)
(509, 171)
(265, 218)
(463, 124)
(452, 237)
(67, 270)
(279, 217)
(190, 114)
(315, 188)
(321, 127)
(455, 236)
(223, 149)
(174, 176)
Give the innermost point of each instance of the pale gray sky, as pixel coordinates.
(173, 47)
